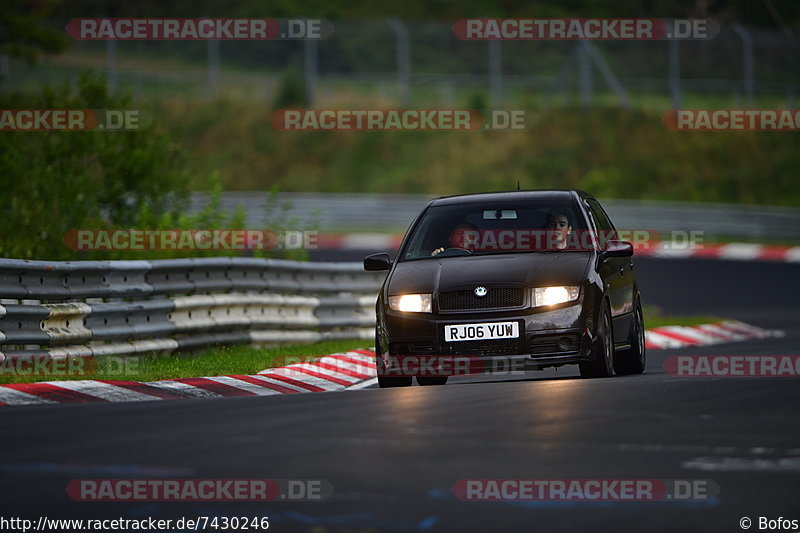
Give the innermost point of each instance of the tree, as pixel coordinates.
(24, 29)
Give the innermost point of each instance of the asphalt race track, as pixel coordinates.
(394, 455)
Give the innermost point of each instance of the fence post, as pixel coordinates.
(5, 67)
(557, 86)
(747, 62)
(403, 61)
(495, 73)
(674, 73)
(584, 74)
(446, 90)
(213, 68)
(311, 67)
(111, 65)
(605, 69)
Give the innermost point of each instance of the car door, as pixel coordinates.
(616, 273)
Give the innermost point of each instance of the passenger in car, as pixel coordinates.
(558, 228)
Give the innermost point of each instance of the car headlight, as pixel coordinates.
(411, 303)
(555, 295)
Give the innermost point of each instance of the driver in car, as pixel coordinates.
(463, 238)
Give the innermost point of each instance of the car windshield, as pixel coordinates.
(545, 225)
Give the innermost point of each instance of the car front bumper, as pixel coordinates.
(550, 337)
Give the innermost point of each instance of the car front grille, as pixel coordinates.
(484, 348)
(496, 298)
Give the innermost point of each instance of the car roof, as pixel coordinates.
(499, 196)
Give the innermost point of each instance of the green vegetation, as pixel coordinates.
(654, 318)
(26, 33)
(53, 182)
(754, 12)
(609, 152)
(134, 179)
(219, 361)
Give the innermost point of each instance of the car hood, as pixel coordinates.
(467, 272)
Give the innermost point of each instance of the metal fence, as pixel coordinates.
(96, 308)
(395, 62)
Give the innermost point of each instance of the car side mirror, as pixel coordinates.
(379, 261)
(618, 249)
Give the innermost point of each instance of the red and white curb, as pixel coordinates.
(734, 252)
(350, 370)
(705, 334)
(661, 249)
(343, 371)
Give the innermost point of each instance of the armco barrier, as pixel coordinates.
(129, 307)
(388, 213)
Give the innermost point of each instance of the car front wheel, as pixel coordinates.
(431, 380)
(385, 381)
(633, 361)
(602, 362)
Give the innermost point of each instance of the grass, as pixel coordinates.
(772, 241)
(213, 362)
(607, 151)
(654, 318)
(611, 153)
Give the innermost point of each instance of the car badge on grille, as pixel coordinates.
(480, 292)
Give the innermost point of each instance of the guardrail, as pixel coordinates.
(96, 308)
(394, 213)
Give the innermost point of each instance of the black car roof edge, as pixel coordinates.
(579, 192)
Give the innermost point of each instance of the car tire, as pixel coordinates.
(384, 382)
(602, 362)
(633, 361)
(425, 381)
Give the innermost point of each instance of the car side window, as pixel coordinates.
(605, 229)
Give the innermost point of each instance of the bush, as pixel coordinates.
(56, 181)
(53, 182)
(291, 92)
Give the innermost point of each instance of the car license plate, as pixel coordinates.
(471, 332)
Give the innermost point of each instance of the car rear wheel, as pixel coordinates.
(602, 363)
(431, 380)
(634, 360)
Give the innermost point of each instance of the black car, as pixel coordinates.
(538, 278)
